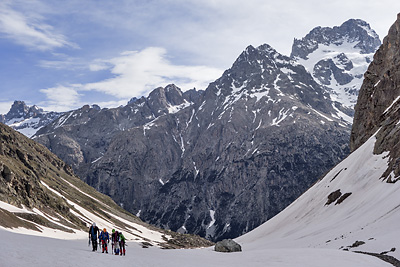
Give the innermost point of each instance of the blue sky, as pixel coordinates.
(61, 55)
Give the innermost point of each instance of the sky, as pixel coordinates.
(61, 55)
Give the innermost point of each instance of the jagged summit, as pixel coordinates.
(264, 72)
(355, 32)
(338, 57)
(20, 110)
(27, 119)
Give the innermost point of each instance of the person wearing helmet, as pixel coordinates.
(93, 232)
(104, 239)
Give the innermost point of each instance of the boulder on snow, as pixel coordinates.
(227, 245)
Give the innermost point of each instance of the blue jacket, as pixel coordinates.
(104, 236)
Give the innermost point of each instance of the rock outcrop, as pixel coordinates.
(378, 107)
(227, 245)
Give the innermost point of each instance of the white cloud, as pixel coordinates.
(5, 107)
(138, 72)
(61, 98)
(135, 73)
(28, 29)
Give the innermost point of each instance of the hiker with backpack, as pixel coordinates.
(104, 238)
(122, 243)
(93, 232)
(115, 241)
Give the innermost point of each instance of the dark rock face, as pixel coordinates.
(81, 137)
(378, 106)
(227, 245)
(232, 157)
(324, 69)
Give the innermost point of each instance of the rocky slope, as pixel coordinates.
(378, 105)
(27, 120)
(338, 57)
(40, 193)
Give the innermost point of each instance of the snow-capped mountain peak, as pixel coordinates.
(27, 120)
(338, 57)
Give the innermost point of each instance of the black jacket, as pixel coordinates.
(93, 232)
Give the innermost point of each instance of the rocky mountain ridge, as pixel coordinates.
(69, 137)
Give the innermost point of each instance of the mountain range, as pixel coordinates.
(220, 162)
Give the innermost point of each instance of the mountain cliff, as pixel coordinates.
(238, 154)
(378, 106)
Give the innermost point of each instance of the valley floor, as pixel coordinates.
(26, 250)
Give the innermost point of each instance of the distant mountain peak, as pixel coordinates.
(26, 119)
(18, 109)
(338, 57)
(356, 32)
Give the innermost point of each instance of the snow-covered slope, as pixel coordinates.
(344, 59)
(370, 213)
(32, 251)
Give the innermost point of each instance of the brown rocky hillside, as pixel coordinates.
(37, 181)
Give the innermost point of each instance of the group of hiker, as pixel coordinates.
(117, 240)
